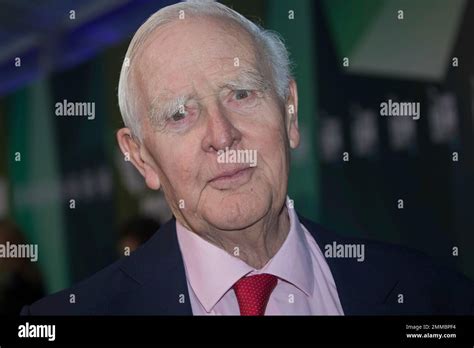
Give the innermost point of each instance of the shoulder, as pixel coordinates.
(395, 270)
(141, 283)
(375, 252)
(90, 296)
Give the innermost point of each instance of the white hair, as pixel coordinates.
(269, 44)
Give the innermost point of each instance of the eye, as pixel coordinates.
(184, 115)
(242, 99)
(180, 115)
(241, 94)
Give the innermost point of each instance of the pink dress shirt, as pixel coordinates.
(305, 286)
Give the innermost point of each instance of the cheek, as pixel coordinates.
(268, 124)
(269, 137)
(178, 166)
(269, 140)
(178, 170)
(275, 156)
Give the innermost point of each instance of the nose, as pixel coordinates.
(220, 132)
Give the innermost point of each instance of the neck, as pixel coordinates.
(256, 244)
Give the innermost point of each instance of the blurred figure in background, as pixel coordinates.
(20, 279)
(134, 232)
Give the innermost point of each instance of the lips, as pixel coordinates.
(232, 178)
(227, 174)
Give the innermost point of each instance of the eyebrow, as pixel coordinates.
(161, 107)
(248, 78)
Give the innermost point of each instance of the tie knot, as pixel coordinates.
(253, 293)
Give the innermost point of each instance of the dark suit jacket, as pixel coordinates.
(152, 280)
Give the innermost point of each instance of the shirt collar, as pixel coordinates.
(292, 263)
(212, 271)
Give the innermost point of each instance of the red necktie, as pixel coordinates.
(253, 293)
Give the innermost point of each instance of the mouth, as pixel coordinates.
(232, 178)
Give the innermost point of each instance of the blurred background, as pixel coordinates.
(393, 179)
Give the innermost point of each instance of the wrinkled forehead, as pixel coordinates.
(189, 50)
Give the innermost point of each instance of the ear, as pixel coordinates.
(139, 156)
(292, 116)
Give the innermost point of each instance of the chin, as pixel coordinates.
(236, 211)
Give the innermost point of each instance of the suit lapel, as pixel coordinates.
(363, 287)
(158, 271)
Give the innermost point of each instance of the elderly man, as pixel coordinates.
(201, 90)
